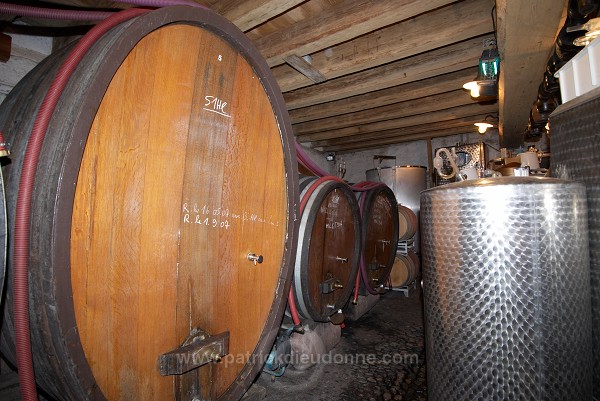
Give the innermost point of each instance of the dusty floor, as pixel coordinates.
(380, 357)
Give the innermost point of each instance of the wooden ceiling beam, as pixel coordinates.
(435, 116)
(426, 32)
(245, 14)
(415, 129)
(441, 61)
(399, 139)
(341, 23)
(392, 111)
(305, 68)
(251, 13)
(526, 35)
(401, 93)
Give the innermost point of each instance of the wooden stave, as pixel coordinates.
(402, 271)
(416, 261)
(302, 297)
(402, 262)
(410, 220)
(50, 336)
(23, 101)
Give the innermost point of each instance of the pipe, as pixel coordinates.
(85, 15)
(163, 3)
(23, 208)
(51, 13)
(366, 186)
(308, 163)
(438, 163)
(293, 308)
(361, 206)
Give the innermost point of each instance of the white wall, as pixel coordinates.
(26, 53)
(409, 153)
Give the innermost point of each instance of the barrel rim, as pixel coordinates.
(73, 154)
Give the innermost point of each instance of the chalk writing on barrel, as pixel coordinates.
(221, 217)
(215, 105)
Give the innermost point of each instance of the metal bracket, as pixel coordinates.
(376, 266)
(330, 285)
(198, 350)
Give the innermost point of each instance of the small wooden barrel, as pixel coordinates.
(328, 248)
(405, 269)
(164, 207)
(407, 223)
(379, 236)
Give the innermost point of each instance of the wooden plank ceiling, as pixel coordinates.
(362, 73)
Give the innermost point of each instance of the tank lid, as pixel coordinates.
(395, 167)
(489, 182)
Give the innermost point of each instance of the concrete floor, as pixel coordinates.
(380, 357)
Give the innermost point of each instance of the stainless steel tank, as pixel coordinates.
(506, 289)
(407, 183)
(575, 146)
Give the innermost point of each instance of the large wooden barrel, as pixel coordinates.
(328, 248)
(379, 236)
(165, 179)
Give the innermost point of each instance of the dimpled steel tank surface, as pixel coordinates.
(506, 290)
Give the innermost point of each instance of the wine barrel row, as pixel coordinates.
(159, 221)
(406, 267)
(342, 234)
(156, 215)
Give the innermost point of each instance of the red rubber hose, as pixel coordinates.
(52, 13)
(361, 206)
(305, 160)
(365, 186)
(293, 308)
(22, 218)
(163, 3)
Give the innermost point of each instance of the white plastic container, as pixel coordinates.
(581, 74)
(529, 159)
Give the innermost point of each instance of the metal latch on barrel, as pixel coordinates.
(198, 350)
(330, 285)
